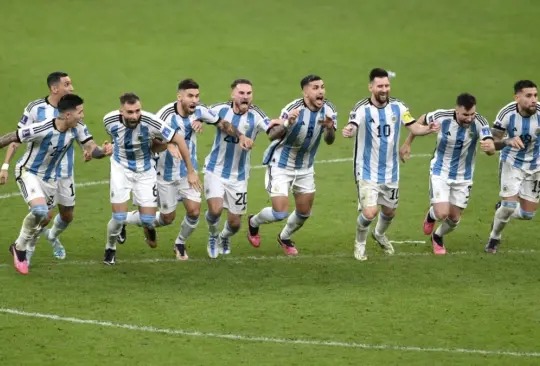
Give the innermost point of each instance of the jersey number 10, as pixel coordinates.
(384, 131)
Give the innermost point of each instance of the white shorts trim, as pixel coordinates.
(143, 185)
(233, 192)
(515, 181)
(32, 187)
(373, 194)
(454, 192)
(279, 181)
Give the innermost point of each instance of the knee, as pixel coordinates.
(41, 212)
(278, 215)
(369, 213)
(166, 219)
(507, 208)
(442, 213)
(194, 212)
(303, 216)
(120, 217)
(148, 220)
(66, 216)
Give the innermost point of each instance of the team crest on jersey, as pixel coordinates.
(26, 133)
(245, 127)
(23, 119)
(394, 118)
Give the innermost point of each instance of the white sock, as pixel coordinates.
(32, 243)
(58, 227)
(294, 223)
(213, 224)
(432, 213)
(446, 226)
(502, 216)
(362, 229)
(187, 227)
(29, 229)
(266, 216)
(383, 224)
(228, 231)
(134, 218)
(113, 230)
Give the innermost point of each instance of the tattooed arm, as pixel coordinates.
(8, 139)
(230, 130)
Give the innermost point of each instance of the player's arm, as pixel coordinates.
(330, 126)
(498, 132)
(159, 146)
(9, 138)
(279, 127)
(229, 129)
(405, 149)
(418, 129)
(192, 176)
(356, 118)
(27, 118)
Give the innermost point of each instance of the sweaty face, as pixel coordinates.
(380, 89)
(242, 97)
(189, 99)
(131, 114)
(315, 92)
(465, 116)
(527, 99)
(65, 86)
(74, 116)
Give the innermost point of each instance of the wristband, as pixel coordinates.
(5, 166)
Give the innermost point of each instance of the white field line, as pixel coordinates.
(100, 182)
(281, 258)
(262, 339)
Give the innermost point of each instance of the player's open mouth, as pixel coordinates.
(320, 98)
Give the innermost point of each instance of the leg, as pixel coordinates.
(439, 195)
(367, 207)
(387, 198)
(278, 182)
(235, 200)
(187, 227)
(61, 222)
(145, 195)
(450, 213)
(215, 192)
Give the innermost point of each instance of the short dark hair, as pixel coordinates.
(69, 102)
(240, 81)
(377, 73)
(188, 84)
(55, 77)
(308, 79)
(129, 98)
(466, 100)
(522, 84)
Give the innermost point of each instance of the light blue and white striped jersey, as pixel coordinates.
(455, 152)
(38, 111)
(297, 148)
(46, 147)
(528, 128)
(167, 168)
(227, 159)
(132, 147)
(377, 139)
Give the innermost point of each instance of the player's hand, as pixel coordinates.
(327, 122)
(488, 146)
(174, 151)
(194, 181)
(197, 126)
(293, 115)
(275, 122)
(349, 130)
(515, 142)
(405, 152)
(245, 142)
(87, 155)
(434, 127)
(107, 148)
(3, 177)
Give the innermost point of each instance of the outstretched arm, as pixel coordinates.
(8, 139)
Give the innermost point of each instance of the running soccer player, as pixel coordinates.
(48, 142)
(132, 170)
(376, 121)
(452, 165)
(290, 158)
(227, 167)
(519, 168)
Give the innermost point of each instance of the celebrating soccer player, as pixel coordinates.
(452, 166)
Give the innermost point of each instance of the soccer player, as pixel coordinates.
(227, 167)
(132, 168)
(48, 142)
(290, 158)
(59, 84)
(376, 121)
(185, 115)
(519, 168)
(452, 165)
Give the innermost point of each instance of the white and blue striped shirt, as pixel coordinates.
(39, 111)
(528, 128)
(455, 151)
(227, 159)
(297, 148)
(377, 139)
(46, 147)
(167, 168)
(132, 147)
